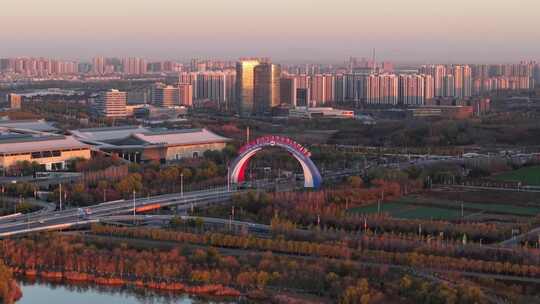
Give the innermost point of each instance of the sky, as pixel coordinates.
(286, 30)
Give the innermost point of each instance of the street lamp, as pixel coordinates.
(60, 195)
(228, 179)
(182, 184)
(133, 205)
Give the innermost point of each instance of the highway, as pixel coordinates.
(165, 219)
(58, 220)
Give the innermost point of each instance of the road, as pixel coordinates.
(165, 219)
(58, 220)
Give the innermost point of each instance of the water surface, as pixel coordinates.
(36, 292)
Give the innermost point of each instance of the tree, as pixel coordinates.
(354, 181)
(133, 182)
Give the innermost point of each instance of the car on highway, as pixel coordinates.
(84, 212)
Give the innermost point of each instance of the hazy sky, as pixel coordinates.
(329, 30)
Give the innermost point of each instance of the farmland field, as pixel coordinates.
(526, 175)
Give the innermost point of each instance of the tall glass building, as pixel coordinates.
(245, 83)
(267, 91)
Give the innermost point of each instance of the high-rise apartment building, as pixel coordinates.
(216, 86)
(339, 87)
(267, 81)
(165, 95)
(98, 65)
(467, 81)
(185, 94)
(437, 72)
(448, 85)
(317, 89)
(462, 81)
(288, 91)
(302, 97)
(112, 104)
(381, 89)
(457, 72)
(322, 89)
(412, 89)
(429, 88)
(134, 66)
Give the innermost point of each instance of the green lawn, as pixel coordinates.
(413, 207)
(526, 175)
(406, 211)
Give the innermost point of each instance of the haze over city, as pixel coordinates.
(270, 151)
(302, 30)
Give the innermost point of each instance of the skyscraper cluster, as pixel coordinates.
(258, 86)
(134, 66)
(255, 86)
(370, 88)
(164, 67)
(464, 81)
(453, 81)
(38, 67)
(216, 86)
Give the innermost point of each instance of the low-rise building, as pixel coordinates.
(320, 112)
(141, 145)
(52, 152)
(451, 112)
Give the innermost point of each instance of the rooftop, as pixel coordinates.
(108, 133)
(27, 143)
(113, 136)
(181, 137)
(32, 125)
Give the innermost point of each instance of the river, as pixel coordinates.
(37, 292)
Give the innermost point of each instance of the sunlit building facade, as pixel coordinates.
(245, 73)
(112, 104)
(267, 81)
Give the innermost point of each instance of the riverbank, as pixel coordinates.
(9, 290)
(216, 290)
(35, 290)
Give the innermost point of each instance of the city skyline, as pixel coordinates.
(306, 30)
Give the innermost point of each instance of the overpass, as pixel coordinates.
(20, 224)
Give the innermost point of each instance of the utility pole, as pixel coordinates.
(60, 195)
(3, 198)
(231, 218)
(247, 134)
